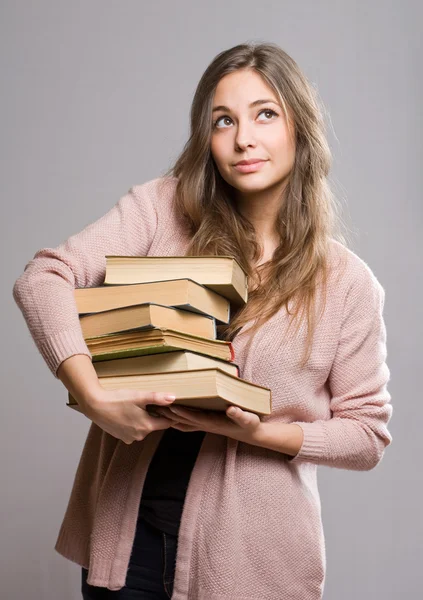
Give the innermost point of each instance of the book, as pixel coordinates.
(179, 293)
(206, 389)
(222, 274)
(147, 316)
(153, 341)
(181, 360)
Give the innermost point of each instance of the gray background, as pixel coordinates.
(95, 98)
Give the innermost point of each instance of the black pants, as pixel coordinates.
(150, 572)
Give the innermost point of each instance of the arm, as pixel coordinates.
(356, 436)
(80, 379)
(45, 290)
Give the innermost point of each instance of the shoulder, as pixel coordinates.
(351, 274)
(159, 196)
(159, 191)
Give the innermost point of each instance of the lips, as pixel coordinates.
(250, 166)
(250, 161)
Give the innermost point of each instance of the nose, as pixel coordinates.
(245, 136)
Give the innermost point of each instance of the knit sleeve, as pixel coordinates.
(356, 435)
(44, 292)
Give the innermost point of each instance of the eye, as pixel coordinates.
(270, 111)
(226, 118)
(217, 121)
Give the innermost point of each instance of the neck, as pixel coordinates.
(262, 209)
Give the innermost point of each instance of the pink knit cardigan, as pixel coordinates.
(251, 527)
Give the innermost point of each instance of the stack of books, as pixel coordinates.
(151, 326)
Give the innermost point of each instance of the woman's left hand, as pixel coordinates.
(234, 423)
(238, 424)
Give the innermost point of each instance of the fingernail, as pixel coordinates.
(232, 410)
(170, 397)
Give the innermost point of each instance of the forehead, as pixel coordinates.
(242, 87)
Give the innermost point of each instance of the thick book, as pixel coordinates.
(207, 389)
(154, 341)
(179, 293)
(181, 360)
(147, 316)
(223, 274)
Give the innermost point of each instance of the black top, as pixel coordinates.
(167, 479)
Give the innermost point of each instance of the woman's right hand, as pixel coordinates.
(122, 413)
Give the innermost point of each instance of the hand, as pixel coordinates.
(234, 422)
(122, 413)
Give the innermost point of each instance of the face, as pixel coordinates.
(244, 128)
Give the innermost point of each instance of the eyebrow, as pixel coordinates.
(255, 103)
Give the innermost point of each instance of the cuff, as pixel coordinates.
(57, 348)
(314, 445)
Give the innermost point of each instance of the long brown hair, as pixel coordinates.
(308, 216)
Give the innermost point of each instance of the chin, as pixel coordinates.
(251, 184)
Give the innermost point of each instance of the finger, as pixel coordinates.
(158, 398)
(162, 398)
(210, 420)
(160, 423)
(166, 412)
(195, 416)
(242, 418)
(169, 414)
(184, 427)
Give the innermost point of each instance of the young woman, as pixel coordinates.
(195, 507)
